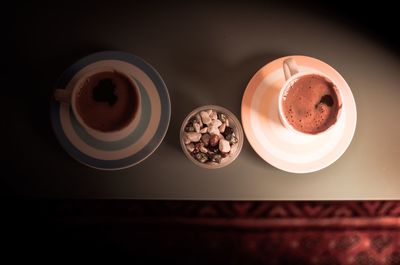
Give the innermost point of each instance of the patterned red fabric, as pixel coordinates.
(245, 232)
(207, 232)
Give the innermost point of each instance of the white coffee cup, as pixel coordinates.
(292, 75)
(69, 96)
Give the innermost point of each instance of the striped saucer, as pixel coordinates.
(144, 139)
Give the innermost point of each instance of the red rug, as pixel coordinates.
(189, 232)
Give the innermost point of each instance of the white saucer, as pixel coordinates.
(280, 147)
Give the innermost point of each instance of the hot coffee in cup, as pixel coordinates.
(105, 101)
(309, 102)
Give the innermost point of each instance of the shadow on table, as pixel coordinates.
(210, 79)
(41, 77)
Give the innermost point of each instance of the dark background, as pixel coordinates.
(27, 86)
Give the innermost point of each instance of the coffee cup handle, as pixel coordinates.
(62, 95)
(290, 68)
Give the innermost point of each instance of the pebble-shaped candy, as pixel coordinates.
(213, 130)
(205, 138)
(193, 136)
(190, 147)
(224, 146)
(205, 117)
(222, 128)
(214, 139)
(196, 127)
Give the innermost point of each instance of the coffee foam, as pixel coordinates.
(310, 104)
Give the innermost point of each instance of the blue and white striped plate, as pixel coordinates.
(144, 139)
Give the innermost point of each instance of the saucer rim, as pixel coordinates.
(162, 126)
(254, 83)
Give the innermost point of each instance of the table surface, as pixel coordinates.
(206, 54)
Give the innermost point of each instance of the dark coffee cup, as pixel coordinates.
(105, 100)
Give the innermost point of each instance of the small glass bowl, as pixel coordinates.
(233, 123)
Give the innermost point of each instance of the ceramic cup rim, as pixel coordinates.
(112, 135)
